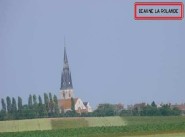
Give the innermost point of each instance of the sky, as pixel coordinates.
(112, 57)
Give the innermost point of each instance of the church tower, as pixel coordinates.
(66, 89)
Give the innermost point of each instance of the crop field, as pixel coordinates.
(105, 121)
(25, 125)
(59, 123)
(96, 127)
(161, 135)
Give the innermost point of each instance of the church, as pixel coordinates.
(67, 92)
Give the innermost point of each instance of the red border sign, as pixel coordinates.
(180, 4)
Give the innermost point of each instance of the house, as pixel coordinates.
(139, 106)
(181, 107)
(88, 107)
(80, 106)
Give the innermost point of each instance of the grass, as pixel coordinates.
(96, 132)
(64, 123)
(25, 125)
(153, 120)
(59, 123)
(96, 127)
(105, 121)
(161, 135)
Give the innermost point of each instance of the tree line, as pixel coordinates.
(35, 108)
(153, 110)
(140, 110)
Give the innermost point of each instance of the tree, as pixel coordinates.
(3, 105)
(46, 102)
(41, 108)
(72, 112)
(31, 111)
(35, 106)
(50, 96)
(20, 108)
(3, 111)
(126, 113)
(176, 111)
(51, 105)
(9, 105)
(14, 108)
(72, 105)
(105, 110)
(14, 105)
(19, 104)
(27, 112)
(166, 110)
(34, 99)
(56, 108)
(150, 110)
(153, 104)
(136, 111)
(40, 100)
(30, 102)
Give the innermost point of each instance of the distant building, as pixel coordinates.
(130, 107)
(67, 92)
(181, 107)
(139, 106)
(79, 105)
(119, 106)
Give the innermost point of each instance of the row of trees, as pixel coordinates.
(36, 107)
(153, 110)
(143, 110)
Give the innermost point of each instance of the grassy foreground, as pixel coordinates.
(25, 125)
(101, 127)
(59, 123)
(162, 135)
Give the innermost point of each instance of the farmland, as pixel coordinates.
(96, 127)
(162, 135)
(59, 123)
(25, 125)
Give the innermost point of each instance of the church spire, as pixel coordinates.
(66, 80)
(65, 56)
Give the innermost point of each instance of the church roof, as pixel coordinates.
(66, 80)
(85, 103)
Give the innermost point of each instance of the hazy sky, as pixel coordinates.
(113, 58)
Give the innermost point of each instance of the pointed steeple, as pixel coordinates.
(66, 80)
(65, 56)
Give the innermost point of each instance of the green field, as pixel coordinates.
(161, 135)
(95, 127)
(59, 123)
(25, 125)
(105, 121)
